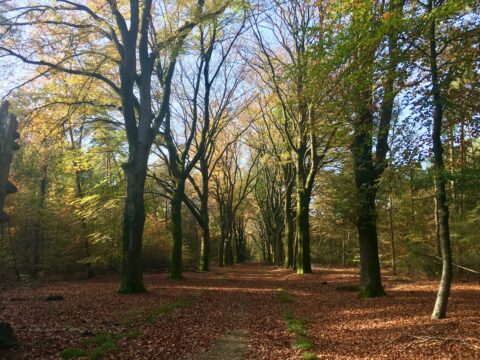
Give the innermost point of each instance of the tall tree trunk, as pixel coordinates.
(289, 226)
(205, 249)
(412, 197)
(39, 226)
(461, 192)
(365, 178)
(176, 229)
(133, 224)
(204, 213)
(370, 276)
(83, 223)
(437, 224)
(221, 249)
(392, 236)
(302, 231)
(453, 187)
(440, 308)
(229, 250)
(279, 253)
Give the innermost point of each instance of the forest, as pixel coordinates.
(239, 179)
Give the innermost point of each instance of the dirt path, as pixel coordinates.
(237, 313)
(233, 346)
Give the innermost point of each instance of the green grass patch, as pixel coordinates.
(73, 353)
(99, 339)
(132, 334)
(104, 349)
(129, 318)
(309, 356)
(103, 344)
(297, 327)
(303, 343)
(160, 310)
(284, 297)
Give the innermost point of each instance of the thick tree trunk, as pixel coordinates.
(366, 178)
(440, 309)
(289, 226)
(370, 277)
(205, 250)
(133, 223)
(302, 231)
(279, 252)
(176, 229)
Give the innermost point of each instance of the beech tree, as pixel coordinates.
(373, 51)
(130, 56)
(283, 65)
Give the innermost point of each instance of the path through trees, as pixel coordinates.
(194, 318)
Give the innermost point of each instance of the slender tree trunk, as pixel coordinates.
(412, 196)
(289, 226)
(461, 192)
(330, 252)
(453, 187)
(440, 309)
(176, 228)
(221, 248)
(279, 253)
(205, 250)
(392, 236)
(133, 224)
(39, 225)
(437, 224)
(86, 246)
(229, 250)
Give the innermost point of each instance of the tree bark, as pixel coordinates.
(302, 231)
(176, 228)
(392, 236)
(440, 308)
(365, 178)
(205, 250)
(289, 226)
(133, 225)
(221, 250)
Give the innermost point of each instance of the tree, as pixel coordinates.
(373, 51)
(136, 45)
(202, 115)
(284, 66)
(232, 185)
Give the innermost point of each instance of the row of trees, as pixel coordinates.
(285, 124)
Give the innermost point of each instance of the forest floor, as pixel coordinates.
(242, 312)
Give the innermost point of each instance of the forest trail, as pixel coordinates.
(251, 311)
